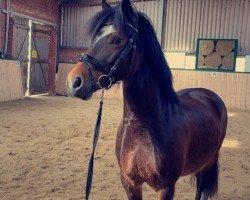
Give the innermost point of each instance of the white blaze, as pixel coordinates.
(106, 30)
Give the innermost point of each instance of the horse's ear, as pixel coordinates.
(105, 4)
(129, 12)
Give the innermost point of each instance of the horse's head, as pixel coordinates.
(113, 55)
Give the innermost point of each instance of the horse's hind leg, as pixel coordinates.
(134, 192)
(207, 182)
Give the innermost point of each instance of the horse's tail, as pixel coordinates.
(211, 185)
(207, 181)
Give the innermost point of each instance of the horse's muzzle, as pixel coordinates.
(75, 88)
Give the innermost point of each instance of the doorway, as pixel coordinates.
(31, 48)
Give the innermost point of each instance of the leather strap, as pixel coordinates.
(98, 64)
(95, 140)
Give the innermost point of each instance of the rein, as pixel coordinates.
(95, 139)
(105, 81)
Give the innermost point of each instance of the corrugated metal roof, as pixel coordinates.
(187, 20)
(75, 21)
(74, 25)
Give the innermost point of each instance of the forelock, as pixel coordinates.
(103, 18)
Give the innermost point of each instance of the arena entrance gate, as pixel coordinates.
(31, 47)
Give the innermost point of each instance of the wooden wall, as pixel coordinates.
(233, 88)
(10, 81)
(63, 70)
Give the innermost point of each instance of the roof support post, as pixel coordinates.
(29, 57)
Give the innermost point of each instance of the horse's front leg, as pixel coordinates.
(133, 190)
(167, 193)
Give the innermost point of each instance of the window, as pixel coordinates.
(216, 54)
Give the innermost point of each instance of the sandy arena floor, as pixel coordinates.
(45, 144)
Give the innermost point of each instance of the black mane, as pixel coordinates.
(147, 44)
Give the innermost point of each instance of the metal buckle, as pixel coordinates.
(105, 81)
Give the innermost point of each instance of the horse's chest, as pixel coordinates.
(141, 163)
(139, 158)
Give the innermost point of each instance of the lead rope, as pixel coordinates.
(95, 139)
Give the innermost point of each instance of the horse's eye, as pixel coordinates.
(117, 40)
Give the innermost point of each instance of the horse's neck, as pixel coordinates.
(142, 100)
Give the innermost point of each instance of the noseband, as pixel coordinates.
(106, 80)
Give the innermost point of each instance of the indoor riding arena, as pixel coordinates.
(46, 136)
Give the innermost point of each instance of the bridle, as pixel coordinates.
(106, 80)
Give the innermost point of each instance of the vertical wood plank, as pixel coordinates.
(200, 76)
(10, 81)
(243, 90)
(238, 91)
(223, 87)
(228, 89)
(233, 90)
(63, 70)
(248, 93)
(1, 82)
(6, 91)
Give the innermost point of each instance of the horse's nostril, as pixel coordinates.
(77, 82)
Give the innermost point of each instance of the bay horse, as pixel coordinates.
(163, 134)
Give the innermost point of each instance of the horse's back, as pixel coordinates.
(204, 103)
(193, 97)
(205, 117)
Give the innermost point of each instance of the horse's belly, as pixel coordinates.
(201, 155)
(194, 169)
